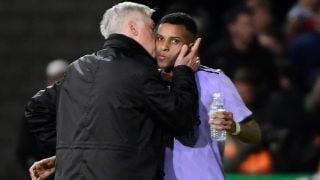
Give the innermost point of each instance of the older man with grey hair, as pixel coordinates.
(113, 105)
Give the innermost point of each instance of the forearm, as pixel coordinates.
(186, 103)
(250, 132)
(40, 115)
(175, 109)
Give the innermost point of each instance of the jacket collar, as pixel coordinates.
(124, 42)
(129, 46)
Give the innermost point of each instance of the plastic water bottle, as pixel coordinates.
(217, 105)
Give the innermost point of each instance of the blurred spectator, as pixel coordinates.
(55, 70)
(299, 18)
(269, 36)
(312, 127)
(245, 80)
(262, 16)
(272, 41)
(240, 157)
(313, 98)
(29, 149)
(286, 78)
(240, 49)
(251, 3)
(280, 117)
(305, 57)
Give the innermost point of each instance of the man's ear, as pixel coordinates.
(133, 28)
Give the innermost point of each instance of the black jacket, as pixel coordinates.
(112, 108)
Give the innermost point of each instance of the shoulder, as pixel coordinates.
(207, 75)
(213, 77)
(209, 70)
(94, 56)
(206, 69)
(88, 58)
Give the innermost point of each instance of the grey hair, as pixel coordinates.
(114, 17)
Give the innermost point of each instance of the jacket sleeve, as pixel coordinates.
(175, 109)
(40, 115)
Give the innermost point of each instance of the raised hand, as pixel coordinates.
(188, 56)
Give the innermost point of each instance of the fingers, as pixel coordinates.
(192, 56)
(48, 172)
(189, 58)
(33, 172)
(222, 121)
(194, 64)
(222, 115)
(221, 124)
(193, 50)
(195, 47)
(42, 169)
(181, 55)
(198, 59)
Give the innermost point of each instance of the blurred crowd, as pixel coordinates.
(276, 69)
(275, 65)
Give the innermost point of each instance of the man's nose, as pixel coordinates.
(164, 47)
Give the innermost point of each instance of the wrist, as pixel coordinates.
(237, 129)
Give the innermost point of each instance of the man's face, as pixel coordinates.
(146, 34)
(169, 40)
(242, 28)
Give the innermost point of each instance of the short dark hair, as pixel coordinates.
(180, 18)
